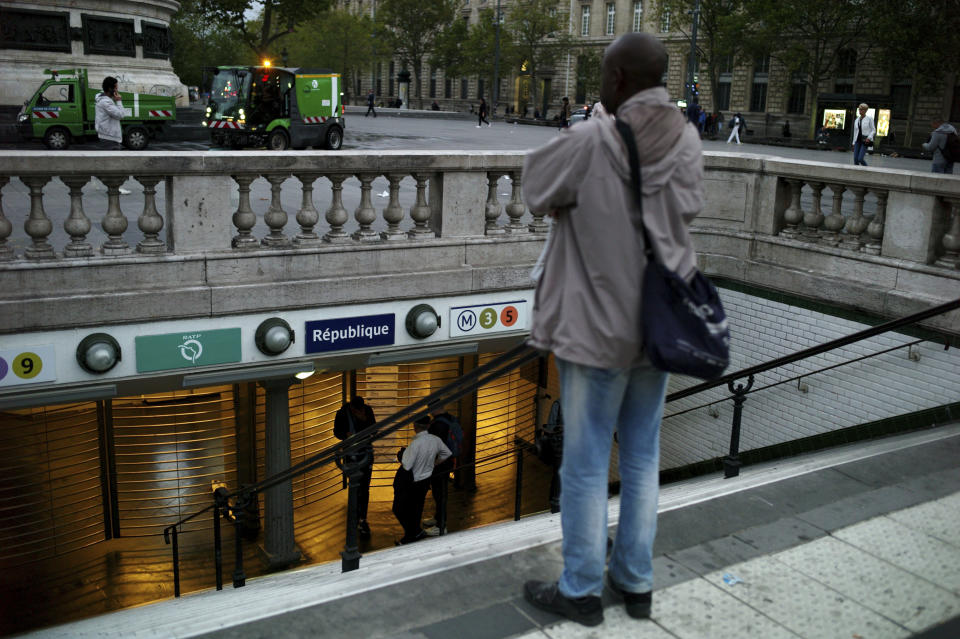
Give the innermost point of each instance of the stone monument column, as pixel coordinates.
(127, 39)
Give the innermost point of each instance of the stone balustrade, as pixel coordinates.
(437, 224)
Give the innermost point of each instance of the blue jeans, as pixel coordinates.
(859, 151)
(596, 402)
(943, 168)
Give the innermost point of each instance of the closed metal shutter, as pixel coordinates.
(506, 409)
(313, 405)
(170, 450)
(51, 500)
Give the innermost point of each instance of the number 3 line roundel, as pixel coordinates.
(482, 319)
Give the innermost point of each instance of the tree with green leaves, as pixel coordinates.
(412, 27)
(275, 20)
(538, 35)
(467, 50)
(589, 62)
(337, 39)
(197, 43)
(808, 37)
(719, 34)
(920, 45)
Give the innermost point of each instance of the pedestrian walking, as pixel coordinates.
(597, 253)
(735, 123)
(370, 100)
(863, 132)
(565, 113)
(419, 458)
(938, 143)
(352, 418)
(482, 113)
(109, 112)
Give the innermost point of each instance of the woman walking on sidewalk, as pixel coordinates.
(482, 113)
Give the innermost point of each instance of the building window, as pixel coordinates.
(463, 88)
(433, 83)
(665, 21)
(758, 92)
(666, 71)
(900, 96)
(585, 20)
(447, 88)
(479, 88)
(798, 94)
(379, 78)
(638, 16)
(723, 95)
(390, 80)
(611, 17)
(724, 82)
(846, 71)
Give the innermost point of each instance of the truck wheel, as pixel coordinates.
(334, 138)
(278, 140)
(56, 138)
(135, 138)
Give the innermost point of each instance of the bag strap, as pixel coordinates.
(627, 134)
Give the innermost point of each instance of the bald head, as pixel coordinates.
(634, 62)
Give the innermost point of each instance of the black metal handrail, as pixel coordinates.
(516, 357)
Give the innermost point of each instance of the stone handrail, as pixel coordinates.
(890, 239)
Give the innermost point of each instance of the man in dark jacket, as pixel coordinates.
(352, 418)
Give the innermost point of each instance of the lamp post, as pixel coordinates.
(691, 65)
(496, 61)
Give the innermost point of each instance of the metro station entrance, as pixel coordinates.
(87, 479)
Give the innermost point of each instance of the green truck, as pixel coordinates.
(275, 107)
(63, 109)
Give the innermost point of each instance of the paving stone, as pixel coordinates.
(903, 465)
(856, 508)
(616, 623)
(697, 609)
(801, 603)
(495, 622)
(910, 549)
(668, 572)
(940, 519)
(935, 485)
(893, 592)
(714, 555)
(779, 535)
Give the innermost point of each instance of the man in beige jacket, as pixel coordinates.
(587, 312)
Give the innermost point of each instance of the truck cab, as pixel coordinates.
(63, 110)
(275, 107)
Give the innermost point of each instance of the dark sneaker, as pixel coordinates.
(546, 596)
(638, 604)
(363, 528)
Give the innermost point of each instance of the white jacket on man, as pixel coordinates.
(108, 116)
(869, 130)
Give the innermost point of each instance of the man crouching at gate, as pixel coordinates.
(587, 312)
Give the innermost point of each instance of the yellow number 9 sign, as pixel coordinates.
(27, 365)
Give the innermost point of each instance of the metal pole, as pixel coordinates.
(518, 495)
(240, 506)
(496, 62)
(217, 547)
(731, 463)
(691, 64)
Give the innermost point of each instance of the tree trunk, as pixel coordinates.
(911, 109)
(814, 85)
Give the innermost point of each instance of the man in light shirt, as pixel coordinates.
(419, 458)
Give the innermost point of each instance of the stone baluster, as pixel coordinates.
(493, 208)
(813, 218)
(794, 214)
(393, 213)
(150, 223)
(275, 217)
(516, 209)
(114, 222)
(38, 226)
(951, 239)
(856, 224)
(420, 211)
(307, 216)
(244, 218)
(6, 228)
(834, 222)
(365, 215)
(77, 224)
(336, 215)
(875, 228)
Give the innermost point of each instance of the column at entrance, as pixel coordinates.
(279, 546)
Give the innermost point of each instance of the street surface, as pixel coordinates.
(384, 133)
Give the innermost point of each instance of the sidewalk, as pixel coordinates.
(862, 541)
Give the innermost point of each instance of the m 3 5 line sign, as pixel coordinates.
(483, 319)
